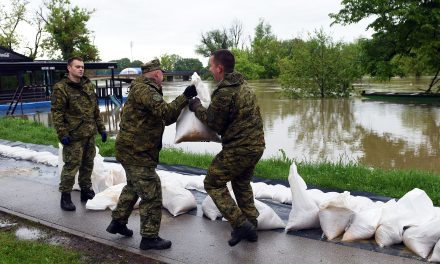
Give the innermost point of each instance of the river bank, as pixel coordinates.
(336, 176)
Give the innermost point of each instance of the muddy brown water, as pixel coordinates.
(375, 133)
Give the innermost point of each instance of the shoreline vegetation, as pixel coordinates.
(327, 175)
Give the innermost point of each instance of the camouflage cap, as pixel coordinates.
(151, 66)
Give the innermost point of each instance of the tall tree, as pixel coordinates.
(406, 27)
(265, 50)
(9, 20)
(38, 22)
(236, 33)
(68, 31)
(212, 41)
(244, 64)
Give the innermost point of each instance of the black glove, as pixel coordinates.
(104, 136)
(65, 140)
(190, 91)
(194, 104)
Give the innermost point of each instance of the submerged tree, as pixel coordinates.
(409, 28)
(320, 67)
(68, 31)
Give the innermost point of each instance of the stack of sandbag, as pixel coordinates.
(335, 213)
(414, 208)
(192, 182)
(278, 192)
(267, 219)
(363, 224)
(422, 238)
(176, 199)
(188, 126)
(43, 157)
(304, 213)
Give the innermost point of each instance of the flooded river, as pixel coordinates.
(374, 133)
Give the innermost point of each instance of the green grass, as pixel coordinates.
(350, 177)
(17, 251)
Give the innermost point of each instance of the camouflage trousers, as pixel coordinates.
(78, 156)
(237, 166)
(142, 182)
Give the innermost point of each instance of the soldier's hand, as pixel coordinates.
(194, 104)
(190, 91)
(104, 136)
(65, 140)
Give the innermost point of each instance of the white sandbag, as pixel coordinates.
(266, 191)
(209, 208)
(106, 199)
(319, 196)
(267, 219)
(116, 174)
(435, 257)
(364, 223)
(282, 194)
(258, 188)
(28, 154)
(188, 126)
(414, 208)
(422, 239)
(335, 214)
(195, 183)
(176, 199)
(304, 213)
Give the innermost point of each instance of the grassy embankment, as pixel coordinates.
(350, 177)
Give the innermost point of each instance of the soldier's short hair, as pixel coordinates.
(226, 58)
(71, 59)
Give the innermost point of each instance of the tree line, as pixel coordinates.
(406, 42)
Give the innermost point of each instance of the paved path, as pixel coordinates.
(30, 190)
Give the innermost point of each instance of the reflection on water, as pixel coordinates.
(375, 133)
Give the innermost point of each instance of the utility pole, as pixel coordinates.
(131, 50)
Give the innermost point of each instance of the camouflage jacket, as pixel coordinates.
(75, 109)
(144, 117)
(234, 113)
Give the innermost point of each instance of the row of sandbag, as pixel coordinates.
(412, 219)
(43, 157)
(177, 199)
(109, 178)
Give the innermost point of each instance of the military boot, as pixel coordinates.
(154, 243)
(87, 194)
(116, 227)
(254, 222)
(66, 202)
(245, 231)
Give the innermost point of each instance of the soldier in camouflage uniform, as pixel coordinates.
(235, 115)
(75, 114)
(144, 117)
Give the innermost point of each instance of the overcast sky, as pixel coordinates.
(175, 26)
